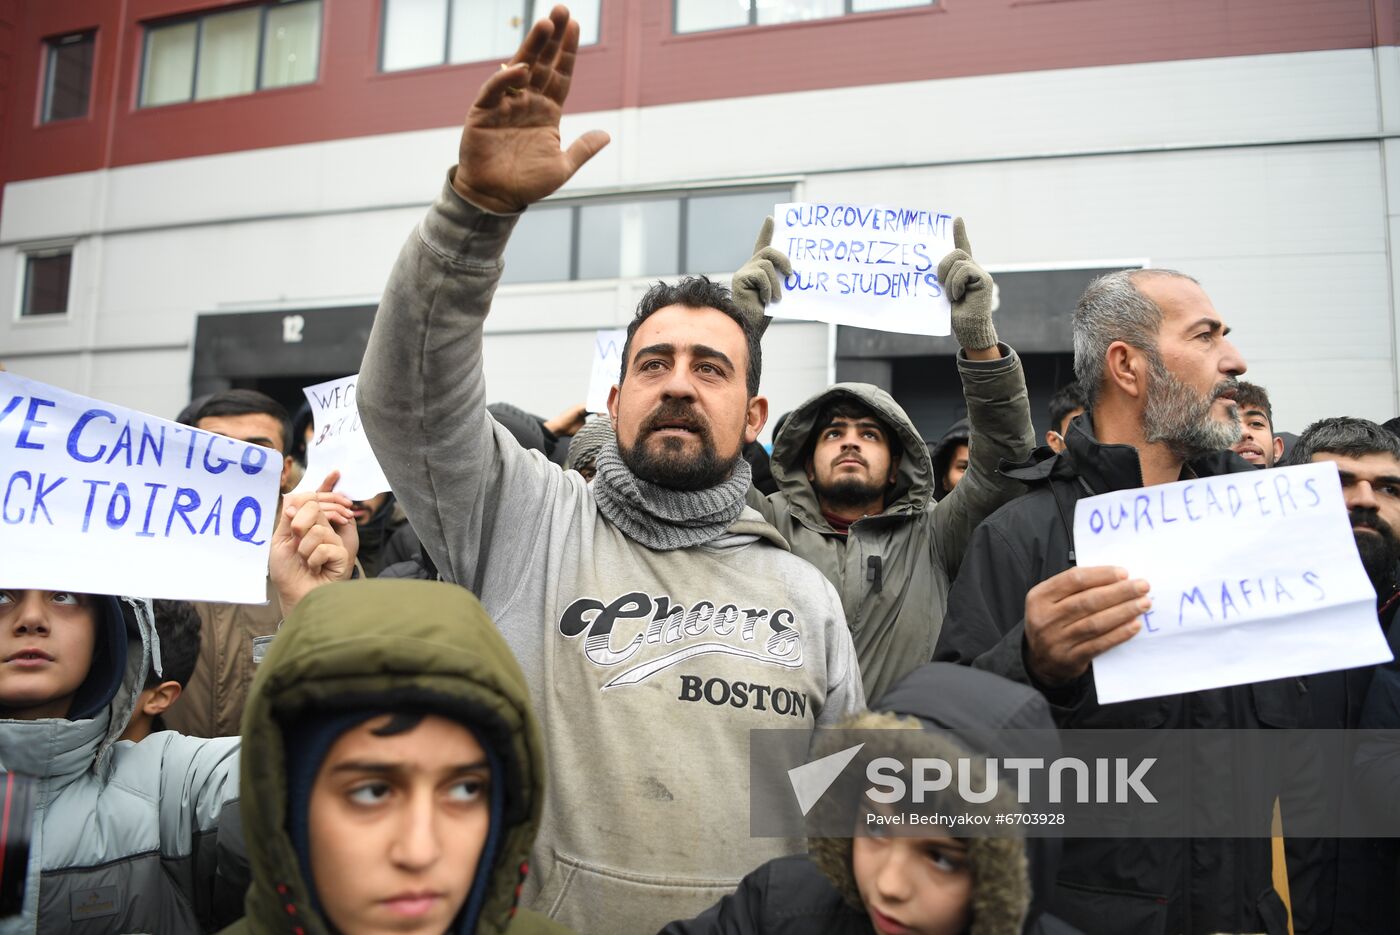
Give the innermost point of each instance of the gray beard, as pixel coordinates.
(1181, 418)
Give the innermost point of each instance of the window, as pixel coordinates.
(46, 282)
(704, 15)
(709, 232)
(68, 76)
(422, 33)
(232, 52)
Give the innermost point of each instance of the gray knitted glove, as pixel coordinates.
(760, 280)
(969, 289)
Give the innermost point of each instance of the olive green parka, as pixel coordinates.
(357, 644)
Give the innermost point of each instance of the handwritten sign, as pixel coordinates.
(338, 442)
(607, 364)
(107, 500)
(1254, 576)
(867, 266)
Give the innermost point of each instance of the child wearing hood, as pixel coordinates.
(396, 769)
(874, 882)
(124, 837)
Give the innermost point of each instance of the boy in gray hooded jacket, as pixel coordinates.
(124, 835)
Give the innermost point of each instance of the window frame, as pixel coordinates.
(51, 47)
(847, 9)
(40, 252)
(152, 26)
(526, 21)
(782, 192)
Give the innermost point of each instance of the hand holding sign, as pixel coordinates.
(314, 544)
(970, 291)
(759, 282)
(1078, 614)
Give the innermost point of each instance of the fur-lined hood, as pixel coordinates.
(961, 710)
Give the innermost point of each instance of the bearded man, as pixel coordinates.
(1355, 892)
(1160, 373)
(656, 618)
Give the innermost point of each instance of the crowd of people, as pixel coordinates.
(515, 694)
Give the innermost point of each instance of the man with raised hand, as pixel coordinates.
(859, 495)
(657, 620)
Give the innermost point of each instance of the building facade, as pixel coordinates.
(200, 194)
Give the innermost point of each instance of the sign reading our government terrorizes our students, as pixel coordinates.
(866, 266)
(1254, 576)
(101, 499)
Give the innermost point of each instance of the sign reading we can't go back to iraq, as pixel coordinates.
(102, 499)
(866, 266)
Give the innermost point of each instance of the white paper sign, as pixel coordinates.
(607, 364)
(102, 499)
(867, 266)
(1254, 576)
(339, 442)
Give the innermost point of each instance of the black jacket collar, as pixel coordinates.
(1107, 467)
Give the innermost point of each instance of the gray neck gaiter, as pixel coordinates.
(661, 518)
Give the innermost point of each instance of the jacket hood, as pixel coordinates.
(913, 486)
(63, 749)
(1105, 467)
(958, 434)
(387, 644)
(975, 711)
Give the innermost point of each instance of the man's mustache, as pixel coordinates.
(677, 413)
(1367, 518)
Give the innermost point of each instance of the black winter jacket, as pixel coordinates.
(817, 893)
(1128, 886)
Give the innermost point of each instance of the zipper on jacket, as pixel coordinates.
(874, 572)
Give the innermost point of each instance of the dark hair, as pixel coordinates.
(1343, 435)
(1067, 398)
(178, 629)
(696, 292)
(1254, 396)
(1392, 425)
(246, 403)
(400, 722)
(844, 407)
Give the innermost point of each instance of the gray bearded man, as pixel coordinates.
(1160, 375)
(656, 619)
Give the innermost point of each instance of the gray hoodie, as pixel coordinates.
(647, 669)
(894, 570)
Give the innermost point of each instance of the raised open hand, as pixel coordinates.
(510, 155)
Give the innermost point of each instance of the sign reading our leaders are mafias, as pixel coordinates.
(1254, 576)
(868, 266)
(98, 498)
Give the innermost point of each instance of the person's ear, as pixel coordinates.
(1278, 449)
(811, 469)
(755, 417)
(287, 462)
(1125, 368)
(894, 468)
(613, 395)
(155, 701)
